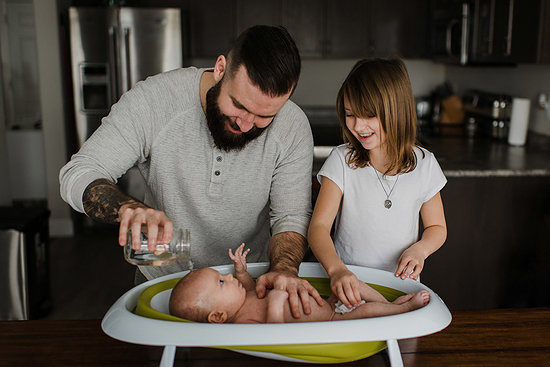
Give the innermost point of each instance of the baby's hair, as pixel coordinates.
(380, 88)
(186, 304)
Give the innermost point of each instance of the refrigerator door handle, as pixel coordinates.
(126, 64)
(113, 62)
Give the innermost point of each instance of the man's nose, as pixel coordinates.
(245, 121)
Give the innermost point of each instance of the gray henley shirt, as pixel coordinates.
(225, 198)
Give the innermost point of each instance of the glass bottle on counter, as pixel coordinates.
(179, 249)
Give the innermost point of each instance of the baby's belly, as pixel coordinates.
(318, 313)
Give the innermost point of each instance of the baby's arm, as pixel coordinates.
(276, 300)
(239, 260)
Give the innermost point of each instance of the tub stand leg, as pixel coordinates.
(168, 356)
(394, 353)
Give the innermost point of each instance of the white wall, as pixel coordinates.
(525, 81)
(320, 80)
(53, 123)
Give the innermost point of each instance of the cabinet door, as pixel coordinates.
(399, 28)
(253, 12)
(212, 27)
(530, 28)
(544, 37)
(304, 19)
(347, 28)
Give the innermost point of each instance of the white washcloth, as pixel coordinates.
(339, 307)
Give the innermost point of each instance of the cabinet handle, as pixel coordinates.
(465, 34)
(449, 36)
(114, 59)
(510, 23)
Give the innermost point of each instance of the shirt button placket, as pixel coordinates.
(216, 181)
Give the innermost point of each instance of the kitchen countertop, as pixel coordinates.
(479, 157)
(503, 337)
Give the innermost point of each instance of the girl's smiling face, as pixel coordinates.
(367, 130)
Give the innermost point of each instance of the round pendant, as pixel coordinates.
(387, 203)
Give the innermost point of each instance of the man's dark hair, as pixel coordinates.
(270, 57)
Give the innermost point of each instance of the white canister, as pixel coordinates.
(519, 121)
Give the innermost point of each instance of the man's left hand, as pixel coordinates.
(298, 291)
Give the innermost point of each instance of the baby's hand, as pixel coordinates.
(277, 296)
(239, 258)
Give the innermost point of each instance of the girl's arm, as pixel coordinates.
(434, 235)
(344, 283)
(239, 260)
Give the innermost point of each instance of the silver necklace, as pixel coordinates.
(387, 202)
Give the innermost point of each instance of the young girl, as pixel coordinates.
(377, 183)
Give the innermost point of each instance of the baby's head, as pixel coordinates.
(205, 295)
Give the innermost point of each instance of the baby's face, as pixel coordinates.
(225, 292)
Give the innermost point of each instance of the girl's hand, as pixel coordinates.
(239, 258)
(411, 263)
(345, 286)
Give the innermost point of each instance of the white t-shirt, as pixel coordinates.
(366, 232)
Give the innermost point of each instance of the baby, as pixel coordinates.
(205, 295)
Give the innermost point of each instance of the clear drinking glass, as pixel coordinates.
(179, 249)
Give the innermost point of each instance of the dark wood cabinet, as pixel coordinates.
(347, 24)
(398, 28)
(321, 28)
(304, 21)
(212, 26)
(252, 12)
(498, 244)
(543, 56)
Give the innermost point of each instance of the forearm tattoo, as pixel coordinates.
(286, 252)
(102, 200)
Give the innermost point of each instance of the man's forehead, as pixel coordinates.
(244, 93)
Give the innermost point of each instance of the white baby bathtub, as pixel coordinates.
(264, 340)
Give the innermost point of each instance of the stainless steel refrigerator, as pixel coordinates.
(112, 48)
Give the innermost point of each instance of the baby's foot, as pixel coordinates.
(403, 299)
(419, 300)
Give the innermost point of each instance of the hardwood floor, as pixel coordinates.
(87, 274)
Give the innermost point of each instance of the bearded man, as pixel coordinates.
(223, 152)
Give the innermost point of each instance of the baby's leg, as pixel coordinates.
(403, 299)
(374, 309)
(369, 294)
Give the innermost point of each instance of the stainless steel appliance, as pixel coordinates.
(482, 31)
(487, 114)
(24, 263)
(112, 49)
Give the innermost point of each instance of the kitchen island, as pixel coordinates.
(497, 207)
(503, 337)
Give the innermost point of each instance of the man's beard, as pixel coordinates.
(224, 139)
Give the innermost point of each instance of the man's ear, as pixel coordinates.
(217, 317)
(220, 68)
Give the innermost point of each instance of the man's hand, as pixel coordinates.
(140, 218)
(298, 290)
(103, 201)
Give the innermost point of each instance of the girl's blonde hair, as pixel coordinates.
(380, 88)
